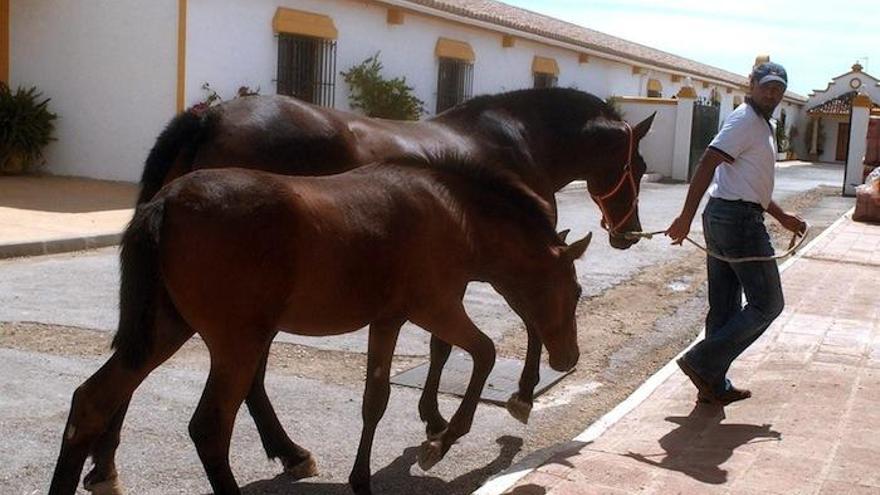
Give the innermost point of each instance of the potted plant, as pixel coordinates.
(26, 127)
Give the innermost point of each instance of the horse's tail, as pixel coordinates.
(176, 145)
(140, 282)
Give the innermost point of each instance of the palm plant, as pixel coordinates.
(26, 127)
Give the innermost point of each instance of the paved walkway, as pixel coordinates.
(812, 426)
(42, 215)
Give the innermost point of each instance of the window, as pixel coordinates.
(546, 72)
(307, 68)
(545, 80)
(655, 89)
(455, 82)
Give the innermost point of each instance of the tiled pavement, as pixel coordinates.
(812, 426)
(42, 215)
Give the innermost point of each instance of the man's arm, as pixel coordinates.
(681, 226)
(793, 223)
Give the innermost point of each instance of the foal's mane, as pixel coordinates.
(496, 191)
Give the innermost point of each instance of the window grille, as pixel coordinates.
(455, 82)
(545, 80)
(307, 68)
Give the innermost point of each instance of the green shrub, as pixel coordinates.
(380, 97)
(26, 127)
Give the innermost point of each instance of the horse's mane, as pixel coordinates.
(570, 108)
(496, 191)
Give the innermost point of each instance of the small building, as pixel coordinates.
(118, 71)
(842, 124)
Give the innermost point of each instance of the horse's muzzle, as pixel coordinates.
(621, 240)
(564, 362)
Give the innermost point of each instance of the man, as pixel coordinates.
(739, 164)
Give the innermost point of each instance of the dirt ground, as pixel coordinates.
(625, 334)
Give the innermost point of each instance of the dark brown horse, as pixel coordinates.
(234, 255)
(547, 137)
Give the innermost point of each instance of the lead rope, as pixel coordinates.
(796, 241)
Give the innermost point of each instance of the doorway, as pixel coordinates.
(842, 141)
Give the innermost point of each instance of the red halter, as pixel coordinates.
(626, 177)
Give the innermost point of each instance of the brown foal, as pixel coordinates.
(234, 255)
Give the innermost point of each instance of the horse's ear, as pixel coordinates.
(643, 127)
(563, 235)
(577, 248)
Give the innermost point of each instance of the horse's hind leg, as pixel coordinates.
(519, 405)
(103, 479)
(429, 410)
(457, 329)
(97, 410)
(297, 461)
(383, 337)
(234, 362)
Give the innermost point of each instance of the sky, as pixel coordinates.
(815, 41)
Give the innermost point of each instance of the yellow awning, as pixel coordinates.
(654, 85)
(292, 21)
(545, 65)
(458, 50)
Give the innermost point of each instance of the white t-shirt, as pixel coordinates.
(746, 140)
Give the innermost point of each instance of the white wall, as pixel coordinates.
(246, 53)
(658, 145)
(109, 67)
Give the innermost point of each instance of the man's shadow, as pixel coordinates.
(701, 443)
(396, 477)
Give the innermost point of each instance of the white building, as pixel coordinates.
(831, 108)
(118, 70)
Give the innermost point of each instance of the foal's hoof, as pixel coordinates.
(303, 469)
(519, 408)
(430, 454)
(110, 486)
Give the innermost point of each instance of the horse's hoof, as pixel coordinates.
(110, 486)
(306, 468)
(519, 408)
(430, 454)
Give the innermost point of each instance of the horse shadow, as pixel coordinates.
(396, 477)
(702, 429)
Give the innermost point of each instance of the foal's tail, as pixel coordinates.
(176, 145)
(140, 280)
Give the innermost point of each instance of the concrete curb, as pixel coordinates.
(506, 480)
(59, 245)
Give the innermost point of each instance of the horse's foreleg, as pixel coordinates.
(383, 338)
(297, 461)
(519, 405)
(457, 329)
(429, 410)
(234, 362)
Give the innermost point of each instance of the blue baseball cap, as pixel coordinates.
(768, 72)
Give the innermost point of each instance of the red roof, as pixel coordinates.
(841, 105)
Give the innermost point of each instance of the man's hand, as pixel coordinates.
(679, 229)
(793, 223)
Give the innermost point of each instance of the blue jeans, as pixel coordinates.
(735, 229)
